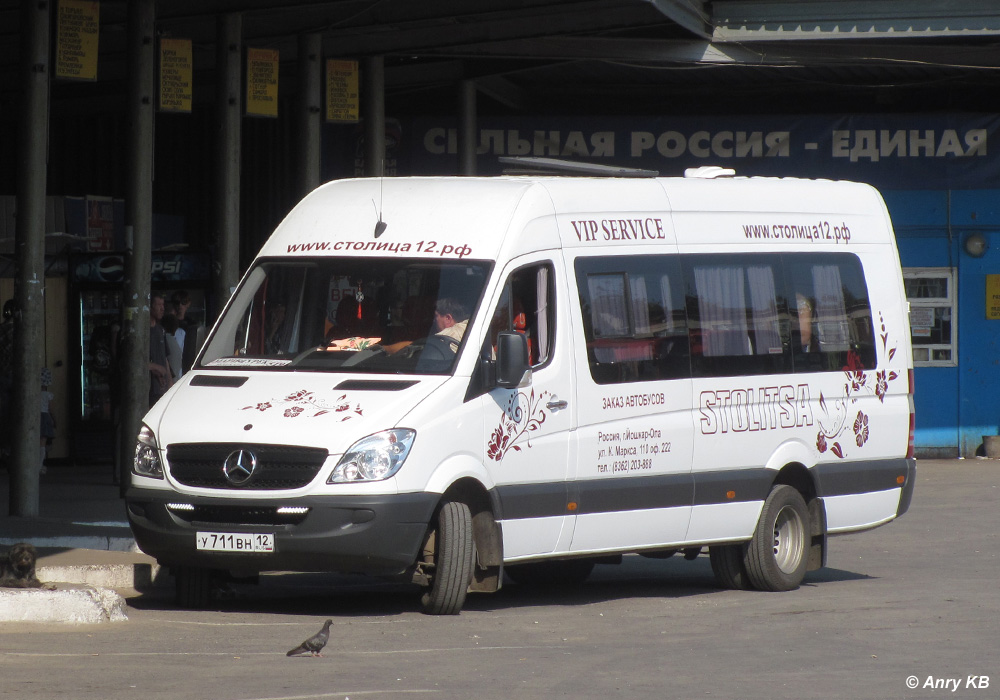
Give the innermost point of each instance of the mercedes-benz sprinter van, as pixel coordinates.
(450, 379)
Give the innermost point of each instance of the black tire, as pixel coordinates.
(728, 567)
(454, 561)
(567, 572)
(777, 556)
(193, 586)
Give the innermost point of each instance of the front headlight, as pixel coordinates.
(147, 456)
(374, 458)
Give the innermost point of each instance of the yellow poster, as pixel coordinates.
(77, 29)
(175, 75)
(993, 297)
(343, 103)
(262, 82)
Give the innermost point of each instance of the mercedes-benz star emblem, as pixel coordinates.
(239, 467)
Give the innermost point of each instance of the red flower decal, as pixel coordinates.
(881, 385)
(297, 395)
(293, 411)
(498, 444)
(861, 429)
(855, 370)
(821, 443)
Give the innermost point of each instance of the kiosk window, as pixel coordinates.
(931, 293)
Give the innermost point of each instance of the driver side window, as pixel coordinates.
(527, 306)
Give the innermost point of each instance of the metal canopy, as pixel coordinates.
(743, 20)
(558, 54)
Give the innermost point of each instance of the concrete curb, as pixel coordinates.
(138, 576)
(83, 605)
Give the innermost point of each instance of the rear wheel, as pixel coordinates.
(453, 562)
(777, 556)
(728, 567)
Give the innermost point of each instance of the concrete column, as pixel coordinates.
(139, 227)
(468, 129)
(309, 111)
(29, 283)
(373, 114)
(228, 69)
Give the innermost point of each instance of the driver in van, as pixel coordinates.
(451, 318)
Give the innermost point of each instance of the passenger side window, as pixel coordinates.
(527, 306)
(650, 317)
(832, 327)
(633, 318)
(738, 315)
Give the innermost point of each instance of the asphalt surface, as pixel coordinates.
(914, 603)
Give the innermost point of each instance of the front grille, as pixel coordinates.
(278, 466)
(239, 515)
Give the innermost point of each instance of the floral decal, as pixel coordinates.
(855, 371)
(304, 403)
(523, 415)
(858, 381)
(882, 383)
(861, 429)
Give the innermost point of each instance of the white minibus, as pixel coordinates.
(453, 380)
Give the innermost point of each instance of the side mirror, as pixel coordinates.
(513, 370)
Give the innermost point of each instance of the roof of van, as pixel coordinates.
(471, 217)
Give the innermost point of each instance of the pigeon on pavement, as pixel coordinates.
(314, 645)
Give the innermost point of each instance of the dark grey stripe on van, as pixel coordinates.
(847, 478)
(635, 493)
(541, 500)
(745, 484)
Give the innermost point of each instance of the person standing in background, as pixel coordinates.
(174, 336)
(160, 378)
(187, 328)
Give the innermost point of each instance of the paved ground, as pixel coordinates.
(916, 599)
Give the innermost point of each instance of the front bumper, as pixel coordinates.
(377, 535)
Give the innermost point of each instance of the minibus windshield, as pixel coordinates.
(397, 316)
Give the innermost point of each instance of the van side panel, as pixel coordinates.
(841, 414)
(632, 479)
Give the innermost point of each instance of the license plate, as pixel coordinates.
(234, 542)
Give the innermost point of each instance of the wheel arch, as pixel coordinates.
(486, 530)
(803, 480)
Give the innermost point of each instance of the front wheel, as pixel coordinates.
(777, 556)
(454, 561)
(193, 587)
